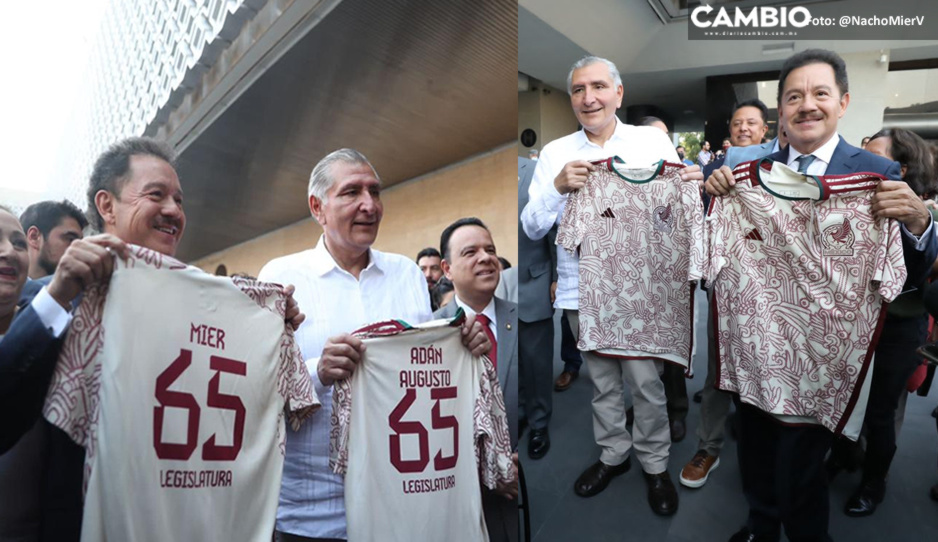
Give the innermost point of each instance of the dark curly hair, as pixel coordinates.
(916, 155)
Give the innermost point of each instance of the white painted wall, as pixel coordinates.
(864, 115)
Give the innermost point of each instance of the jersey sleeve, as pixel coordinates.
(294, 383)
(72, 400)
(697, 234)
(890, 268)
(493, 450)
(573, 224)
(716, 231)
(341, 423)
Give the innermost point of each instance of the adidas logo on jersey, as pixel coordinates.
(754, 235)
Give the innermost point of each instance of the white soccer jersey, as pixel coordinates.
(175, 383)
(640, 233)
(415, 429)
(800, 272)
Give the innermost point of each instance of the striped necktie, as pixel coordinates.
(805, 161)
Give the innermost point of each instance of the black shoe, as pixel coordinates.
(864, 501)
(698, 396)
(662, 495)
(538, 443)
(745, 535)
(597, 477)
(844, 456)
(678, 430)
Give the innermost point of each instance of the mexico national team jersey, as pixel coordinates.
(176, 383)
(640, 235)
(415, 430)
(800, 272)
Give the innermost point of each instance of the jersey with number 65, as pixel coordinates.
(176, 384)
(416, 428)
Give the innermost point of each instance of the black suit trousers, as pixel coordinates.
(783, 476)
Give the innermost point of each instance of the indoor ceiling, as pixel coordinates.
(415, 86)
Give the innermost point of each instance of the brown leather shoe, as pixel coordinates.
(662, 495)
(564, 380)
(697, 471)
(597, 477)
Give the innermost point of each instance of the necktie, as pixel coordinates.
(493, 353)
(804, 161)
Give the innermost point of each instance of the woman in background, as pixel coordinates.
(904, 329)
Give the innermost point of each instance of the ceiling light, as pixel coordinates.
(778, 48)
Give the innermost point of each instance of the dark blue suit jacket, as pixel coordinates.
(28, 353)
(849, 159)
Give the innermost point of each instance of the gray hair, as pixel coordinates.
(321, 180)
(589, 61)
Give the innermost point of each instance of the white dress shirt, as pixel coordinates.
(489, 311)
(50, 313)
(638, 146)
(823, 157)
(391, 287)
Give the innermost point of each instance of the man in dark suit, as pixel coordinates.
(783, 466)
(134, 197)
(470, 262)
(537, 269)
(41, 467)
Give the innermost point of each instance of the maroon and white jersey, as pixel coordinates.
(176, 383)
(640, 235)
(800, 270)
(416, 428)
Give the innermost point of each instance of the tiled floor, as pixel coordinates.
(717, 510)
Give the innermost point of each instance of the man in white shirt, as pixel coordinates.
(782, 466)
(344, 284)
(596, 92)
(704, 157)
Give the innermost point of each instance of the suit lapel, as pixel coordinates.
(507, 338)
(523, 188)
(844, 159)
